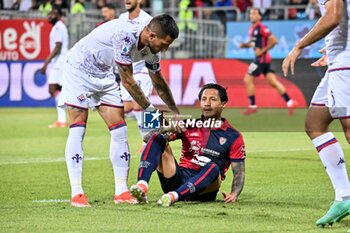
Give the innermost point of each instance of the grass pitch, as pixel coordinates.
(286, 187)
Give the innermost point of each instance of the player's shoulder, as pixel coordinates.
(227, 126)
(145, 15)
(124, 15)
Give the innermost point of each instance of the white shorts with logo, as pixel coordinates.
(334, 92)
(144, 81)
(83, 90)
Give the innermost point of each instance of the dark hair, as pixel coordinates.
(164, 25)
(256, 9)
(58, 9)
(109, 6)
(222, 91)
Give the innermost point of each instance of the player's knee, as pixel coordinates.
(158, 139)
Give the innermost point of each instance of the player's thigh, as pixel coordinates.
(255, 69)
(213, 186)
(339, 93)
(53, 88)
(167, 163)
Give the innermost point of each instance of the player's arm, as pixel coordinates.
(271, 42)
(325, 24)
(163, 90)
(128, 81)
(246, 45)
(53, 54)
(238, 169)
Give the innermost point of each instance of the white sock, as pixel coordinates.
(75, 156)
(138, 115)
(332, 157)
(176, 195)
(289, 103)
(61, 112)
(120, 156)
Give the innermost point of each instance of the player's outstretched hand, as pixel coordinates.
(229, 197)
(43, 69)
(289, 61)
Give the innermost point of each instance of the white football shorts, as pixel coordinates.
(144, 81)
(82, 90)
(334, 92)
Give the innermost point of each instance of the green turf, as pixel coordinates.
(286, 188)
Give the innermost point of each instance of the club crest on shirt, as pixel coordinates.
(81, 98)
(222, 140)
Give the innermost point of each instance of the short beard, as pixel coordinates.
(132, 8)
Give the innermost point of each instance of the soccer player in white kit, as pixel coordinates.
(137, 15)
(55, 61)
(331, 99)
(88, 81)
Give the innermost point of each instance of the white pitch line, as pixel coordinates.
(56, 160)
(53, 160)
(50, 201)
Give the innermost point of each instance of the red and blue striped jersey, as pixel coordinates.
(220, 145)
(259, 34)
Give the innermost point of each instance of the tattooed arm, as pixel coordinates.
(128, 81)
(238, 169)
(163, 90)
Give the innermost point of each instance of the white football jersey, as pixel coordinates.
(59, 33)
(113, 42)
(143, 19)
(338, 40)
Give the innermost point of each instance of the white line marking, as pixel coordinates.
(50, 201)
(51, 160)
(56, 160)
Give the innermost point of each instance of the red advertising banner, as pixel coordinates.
(24, 39)
(186, 77)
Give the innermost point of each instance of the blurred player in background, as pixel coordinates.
(132, 109)
(54, 63)
(108, 13)
(262, 40)
(206, 155)
(331, 99)
(89, 82)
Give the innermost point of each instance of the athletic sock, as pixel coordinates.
(120, 156)
(251, 100)
(75, 156)
(150, 157)
(286, 97)
(199, 182)
(332, 157)
(61, 111)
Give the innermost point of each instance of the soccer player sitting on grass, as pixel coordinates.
(206, 155)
